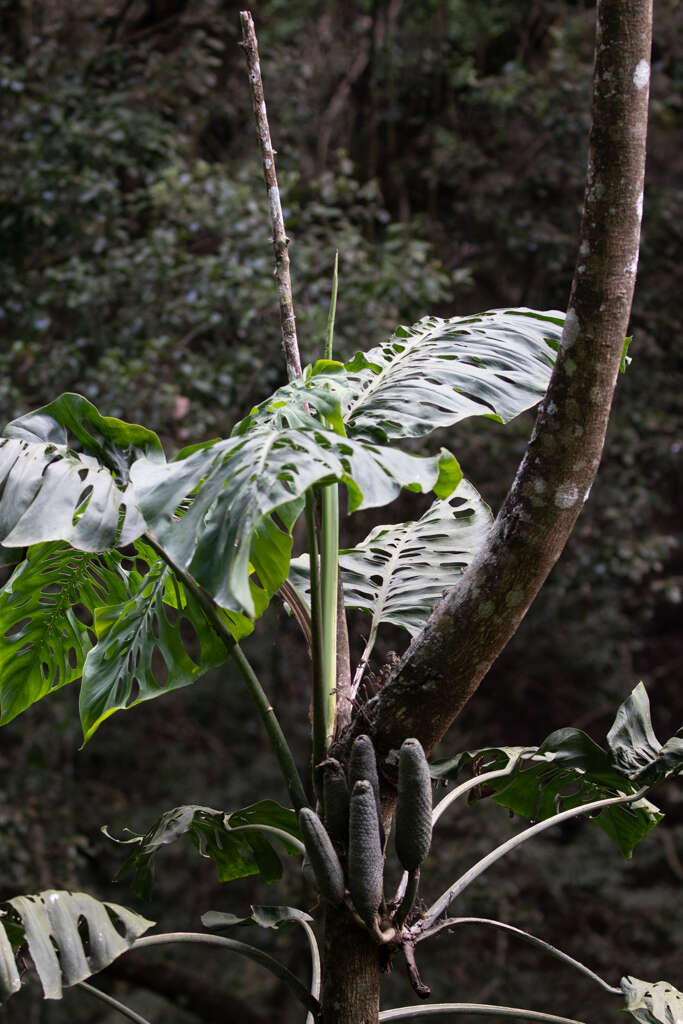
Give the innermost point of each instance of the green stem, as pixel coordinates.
(316, 969)
(451, 922)
(329, 336)
(278, 833)
(329, 556)
(438, 1009)
(478, 780)
(243, 949)
(264, 708)
(329, 565)
(319, 696)
(485, 863)
(124, 1010)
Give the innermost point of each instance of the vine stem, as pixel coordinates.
(242, 949)
(290, 344)
(439, 1009)
(319, 695)
(104, 997)
(452, 922)
(278, 742)
(485, 863)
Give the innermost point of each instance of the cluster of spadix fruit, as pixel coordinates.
(352, 829)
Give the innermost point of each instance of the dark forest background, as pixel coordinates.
(440, 146)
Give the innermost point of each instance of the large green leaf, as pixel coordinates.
(569, 769)
(69, 936)
(44, 642)
(50, 491)
(144, 638)
(245, 493)
(398, 573)
(438, 372)
(652, 1002)
(237, 842)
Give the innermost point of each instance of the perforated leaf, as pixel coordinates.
(399, 573)
(44, 642)
(652, 1002)
(68, 936)
(220, 836)
(245, 494)
(51, 491)
(154, 641)
(438, 372)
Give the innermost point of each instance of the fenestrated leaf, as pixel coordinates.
(238, 488)
(220, 836)
(44, 643)
(264, 917)
(398, 573)
(652, 1002)
(50, 491)
(63, 951)
(143, 633)
(634, 747)
(74, 421)
(437, 372)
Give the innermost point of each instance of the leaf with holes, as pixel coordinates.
(69, 936)
(438, 372)
(50, 491)
(238, 842)
(143, 650)
(45, 643)
(652, 1002)
(399, 572)
(245, 494)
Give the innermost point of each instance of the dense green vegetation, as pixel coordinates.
(441, 149)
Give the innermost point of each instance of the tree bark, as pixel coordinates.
(446, 662)
(467, 631)
(351, 971)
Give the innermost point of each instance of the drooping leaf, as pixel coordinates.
(69, 936)
(652, 1002)
(74, 421)
(64, 475)
(236, 850)
(568, 770)
(399, 573)
(437, 372)
(245, 494)
(634, 747)
(143, 639)
(44, 642)
(264, 917)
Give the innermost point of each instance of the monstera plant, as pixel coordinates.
(132, 574)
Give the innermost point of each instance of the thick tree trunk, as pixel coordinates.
(351, 971)
(468, 630)
(446, 662)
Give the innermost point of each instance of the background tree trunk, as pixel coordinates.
(467, 631)
(446, 662)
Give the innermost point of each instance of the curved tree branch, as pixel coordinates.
(446, 662)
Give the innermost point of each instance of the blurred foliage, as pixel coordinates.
(440, 147)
